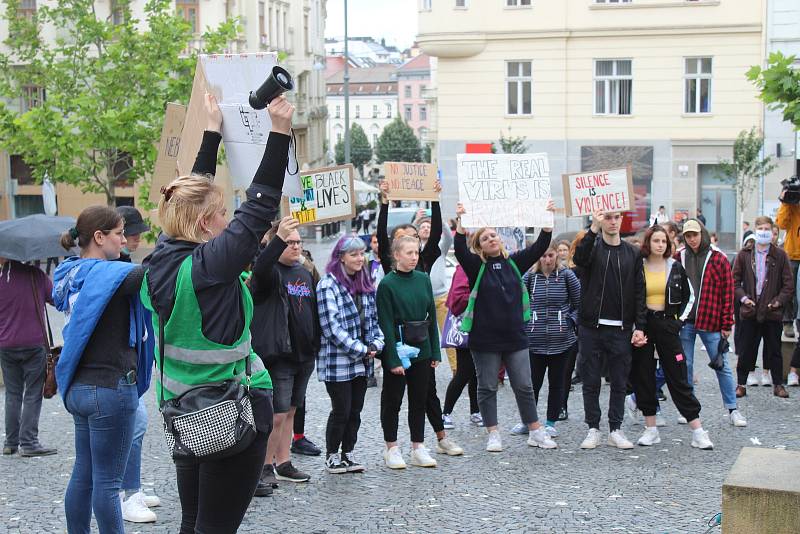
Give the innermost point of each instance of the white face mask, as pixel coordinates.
(763, 237)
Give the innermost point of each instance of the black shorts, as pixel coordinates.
(289, 383)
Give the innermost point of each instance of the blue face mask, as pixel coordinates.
(763, 237)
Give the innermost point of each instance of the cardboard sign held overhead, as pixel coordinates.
(245, 131)
(608, 190)
(411, 181)
(327, 196)
(504, 190)
(168, 149)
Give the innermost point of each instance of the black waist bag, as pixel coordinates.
(415, 331)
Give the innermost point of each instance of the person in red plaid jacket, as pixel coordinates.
(711, 317)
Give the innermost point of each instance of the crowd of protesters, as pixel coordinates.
(240, 301)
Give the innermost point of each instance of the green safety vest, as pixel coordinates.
(191, 359)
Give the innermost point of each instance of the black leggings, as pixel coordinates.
(417, 377)
(569, 367)
(215, 495)
(465, 375)
(347, 400)
(662, 335)
(553, 365)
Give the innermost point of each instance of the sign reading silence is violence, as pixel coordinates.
(327, 196)
(588, 192)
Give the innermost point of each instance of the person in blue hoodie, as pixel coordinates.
(98, 374)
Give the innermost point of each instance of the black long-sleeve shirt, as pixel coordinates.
(497, 319)
(429, 253)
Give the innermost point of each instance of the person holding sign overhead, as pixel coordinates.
(495, 318)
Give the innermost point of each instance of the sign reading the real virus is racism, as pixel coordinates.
(587, 192)
(327, 196)
(411, 181)
(504, 190)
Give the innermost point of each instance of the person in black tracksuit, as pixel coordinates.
(613, 282)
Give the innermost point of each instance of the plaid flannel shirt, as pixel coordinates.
(343, 354)
(715, 297)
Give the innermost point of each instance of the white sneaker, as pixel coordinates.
(793, 379)
(447, 421)
(682, 420)
(752, 378)
(539, 438)
(422, 458)
(617, 439)
(631, 409)
(592, 439)
(766, 378)
(700, 440)
(136, 511)
(476, 419)
(446, 446)
(394, 458)
(737, 419)
(151, 501)
(494, 443)
(649, 437)
(660, 419)
(551, 431)
(519, 429)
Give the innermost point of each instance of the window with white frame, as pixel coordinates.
(423, 113)
(375, 111)
(518, 3)
(461, 4)
(338, 113)
(697, 85)
(358, 111)
(407, 91)
(32, 97)
(613, 86)
(519, 88)
(407, 111)
(425, 5)
(374, 139)
(388, 111)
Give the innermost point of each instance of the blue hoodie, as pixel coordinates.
(95, 281)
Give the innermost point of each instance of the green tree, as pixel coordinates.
(779, 84)
(747, 167)
(512, 145)
(398, 143)
(106, 82)
(360, 149)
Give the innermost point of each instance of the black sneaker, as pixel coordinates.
(576, 380)
(660, 395)
(37, 451)
(352, 465)
(372, 382)
(563, 415)
(306, 447)
(286, 471)
(264, 487)
(334, 464)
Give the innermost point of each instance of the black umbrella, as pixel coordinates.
(35, 237)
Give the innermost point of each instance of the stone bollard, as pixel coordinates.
(761, 494)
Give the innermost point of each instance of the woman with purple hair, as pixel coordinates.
(351, 338)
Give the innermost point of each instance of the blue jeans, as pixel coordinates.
(727, 383)
(104, 420)
(132, 480)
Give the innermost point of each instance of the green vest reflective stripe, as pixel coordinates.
(469, 313)
(193, 360)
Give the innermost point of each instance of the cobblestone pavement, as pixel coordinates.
(667, 488)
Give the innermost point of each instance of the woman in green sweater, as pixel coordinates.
(405, 305)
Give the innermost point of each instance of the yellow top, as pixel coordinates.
(656, 282)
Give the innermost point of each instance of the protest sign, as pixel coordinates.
(231, 77)
(327, 196)
(587, 192)
(411, 181)
(504, 190)
(169, 146)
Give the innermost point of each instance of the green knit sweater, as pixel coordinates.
(406, 297)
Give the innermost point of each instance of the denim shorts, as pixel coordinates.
(289, 383)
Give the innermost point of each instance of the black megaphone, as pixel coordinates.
(279, 82)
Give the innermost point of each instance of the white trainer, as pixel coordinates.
(421, 457)
(592, 439)
(394, 458)
(540, 438)
(766, 378)
(682, 420)
(700, 440)
(617, 439)
(631, 410)
(151, 501)
(737, 419)
(551, 431)
(752, 378)
(448, 447)
(494, 443)
(649, 437)
(135, 510)
(519, 429)
(793, 379)
(660, 419)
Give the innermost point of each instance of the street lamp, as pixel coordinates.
(346, 92)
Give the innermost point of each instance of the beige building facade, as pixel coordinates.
(656, 83)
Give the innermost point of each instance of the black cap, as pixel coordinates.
(134, 224)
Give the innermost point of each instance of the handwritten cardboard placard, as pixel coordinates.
(504, 190)
(608, 190)
(411, 181)
(327, 196)
(169, 146)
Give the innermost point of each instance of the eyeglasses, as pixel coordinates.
(294, 243)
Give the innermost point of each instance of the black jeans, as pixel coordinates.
(299, 424)
(751, 334)
(24, 372)
(790, 310)
(417, 378)
(347, 401)
(615, 343)
(663, 335)
(465, 375)
(569, 367)
(433, 406)
(553, 365)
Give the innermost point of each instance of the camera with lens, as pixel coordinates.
(791, 190)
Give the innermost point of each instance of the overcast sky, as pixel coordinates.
(394, 20)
